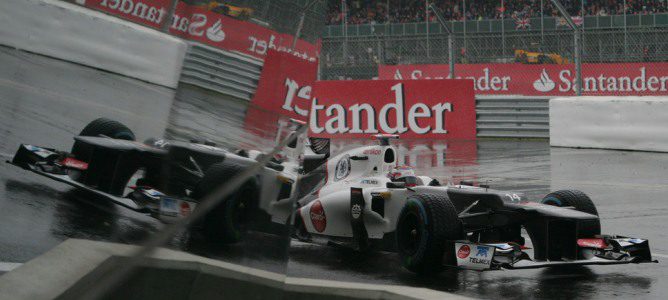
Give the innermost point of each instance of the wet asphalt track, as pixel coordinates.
(45, 101)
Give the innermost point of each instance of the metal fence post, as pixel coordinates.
(451, 54)
(578, 62)
(451, 38)
(577, 47)
(426, 22)
(167, 22)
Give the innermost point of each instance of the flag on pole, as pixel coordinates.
(522, 23)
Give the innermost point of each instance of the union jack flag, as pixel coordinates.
(522, 23)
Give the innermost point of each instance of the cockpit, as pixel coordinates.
(404, 174)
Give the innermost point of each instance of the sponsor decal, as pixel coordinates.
(464, 251)
(196, 170)
(41, 152)
(153, 193)
(482, 251)
(74, 163)
(356, 211)
(168, 206)
(342, 168)
(592, 243)
(625, 242)
(544, 83)
(475, 260)
(372, 152)
(369, 181)
(184, 209)
(515, 197)
(411, 108)
(318, 217)
(474, 256)
(598, 79)
(198, 23)
(215, 33)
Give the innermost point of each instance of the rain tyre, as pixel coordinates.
(426, 226)
(229, 220)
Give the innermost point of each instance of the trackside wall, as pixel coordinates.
(626, 123)
(69, 32)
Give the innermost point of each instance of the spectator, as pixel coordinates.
(410, 11)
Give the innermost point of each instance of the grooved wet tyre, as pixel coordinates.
(577, 199)
(101, 127)
(425, 225)
(229, 220)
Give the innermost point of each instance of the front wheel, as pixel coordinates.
(100, 127)
(426, 226)
(578, 200)
(229, 220)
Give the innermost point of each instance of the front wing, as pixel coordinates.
(604, 250)
(48, 163)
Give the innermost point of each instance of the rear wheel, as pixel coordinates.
(229, 220)
(425, 225)
(580, 201)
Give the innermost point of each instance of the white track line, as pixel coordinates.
(5, 155)
(8, 266)
(660, 255)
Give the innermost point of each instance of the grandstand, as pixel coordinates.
(362, 34)
(402, 11)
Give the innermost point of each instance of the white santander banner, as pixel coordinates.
(545, 80)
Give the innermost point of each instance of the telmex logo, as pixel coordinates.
(337, 120)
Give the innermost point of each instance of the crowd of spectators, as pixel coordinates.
(407, 11)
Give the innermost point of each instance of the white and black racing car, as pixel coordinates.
(166, 179)
(361, 198)
(369, 200)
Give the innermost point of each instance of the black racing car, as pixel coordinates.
(165, 179)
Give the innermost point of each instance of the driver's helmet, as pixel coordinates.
(403, 174)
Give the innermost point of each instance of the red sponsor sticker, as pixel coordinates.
(592, 243)
(464, 251)
(185, 209)
(371, 152)
(74, 163)
(318, 217)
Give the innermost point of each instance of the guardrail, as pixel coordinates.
(229, 73)
(512, 117)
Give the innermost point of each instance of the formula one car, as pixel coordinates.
(166, 179)
(368, 200)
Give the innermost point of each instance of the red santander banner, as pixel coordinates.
(194, 22)
(285, 85)
(283, 92)
(434, 109)
(546, 80)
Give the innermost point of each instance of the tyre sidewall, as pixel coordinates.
(413, 208)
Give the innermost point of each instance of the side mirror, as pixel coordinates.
(396, 185)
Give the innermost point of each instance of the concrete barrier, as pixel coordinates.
(73, 33)
(625, 123)
(76, 265)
